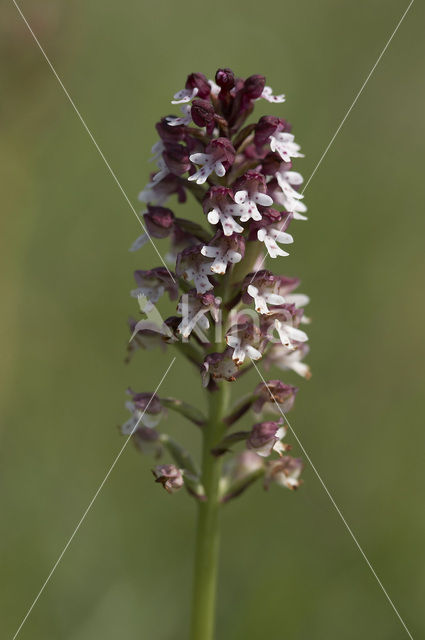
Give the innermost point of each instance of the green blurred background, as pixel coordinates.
(289, 568)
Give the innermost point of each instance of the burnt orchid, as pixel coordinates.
(231, 312)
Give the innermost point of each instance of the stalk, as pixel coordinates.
(207, 536)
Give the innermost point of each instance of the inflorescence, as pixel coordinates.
(241, 175)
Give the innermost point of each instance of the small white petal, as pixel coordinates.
(139, 242)
(219, 169)
(263, 199)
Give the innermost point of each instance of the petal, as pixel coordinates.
(199, 158)
(210, 252)
(213, 216)
(139, 242)
(219, 169)
(263, 199)
(240, 197)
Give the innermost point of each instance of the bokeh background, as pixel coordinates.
(289, 568)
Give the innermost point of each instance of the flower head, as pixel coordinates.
(240, 174)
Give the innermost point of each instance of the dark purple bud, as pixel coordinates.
(176, 157)
(267, 126)
(168, 133)
(169, 476)
(225, 78)
(254, 86)
(272, 163)
(159, 221)
(222, 150)
(200, 82)
(217, 197)
(203, 114)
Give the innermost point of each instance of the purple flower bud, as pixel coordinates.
(203, 114)
(169, 476)
(168, 133)
(267, 126)
(225, 78)
(159, 192)
(222, 150)
(272, 393)
(285, 472)
(159, 221)
(254, 86)
(266, 437)
(200, 82)
(176, 158)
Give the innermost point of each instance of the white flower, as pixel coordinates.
(285, 472)
(290, 198)
(191, 266)
(228, 224)
(244, 339)
(248, 204)
(271, 236)
(242, 349)
(268, 95)
(209, 165)
(194, 309)
(283, 144)
(224, 253)
(185, 95)
(186, 119)
(288, 333)
(261, 298)
(285, 359)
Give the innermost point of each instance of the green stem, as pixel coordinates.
(207, 541)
